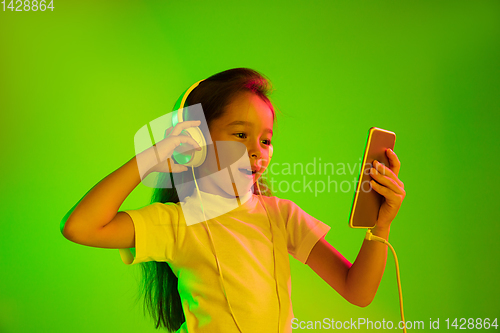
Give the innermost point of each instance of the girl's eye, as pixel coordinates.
(244, 136)
(267, 142)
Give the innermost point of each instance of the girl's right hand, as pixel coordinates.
(159, 157)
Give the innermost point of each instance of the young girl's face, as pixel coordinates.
(249, 121)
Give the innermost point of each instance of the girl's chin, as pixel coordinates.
(221, 184)
(239, 189)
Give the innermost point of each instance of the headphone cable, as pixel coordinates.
(215, 254)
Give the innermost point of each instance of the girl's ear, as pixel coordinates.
(270, 153)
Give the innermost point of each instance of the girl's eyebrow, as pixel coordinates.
(249, 124)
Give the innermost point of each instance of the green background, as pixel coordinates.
(77, 83)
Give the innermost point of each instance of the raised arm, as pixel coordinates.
(95, 220)
(86, 222)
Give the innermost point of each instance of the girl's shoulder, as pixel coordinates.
(165, 205)
(162, 208)
(280, 203)
(276, 199)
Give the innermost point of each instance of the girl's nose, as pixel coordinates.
(254, 151)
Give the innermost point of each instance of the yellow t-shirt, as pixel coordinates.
(244, 246)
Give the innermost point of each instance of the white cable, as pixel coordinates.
(215, 254)
(274, 254)
(369, 236)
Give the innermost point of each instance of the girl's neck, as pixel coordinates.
(206, 185)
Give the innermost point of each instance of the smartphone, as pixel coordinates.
(367, 201)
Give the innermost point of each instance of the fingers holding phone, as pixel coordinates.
(390, 187)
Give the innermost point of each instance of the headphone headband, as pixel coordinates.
(182, 101)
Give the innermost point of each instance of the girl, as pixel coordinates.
(230, 273)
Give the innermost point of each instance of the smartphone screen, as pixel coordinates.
(367, 201)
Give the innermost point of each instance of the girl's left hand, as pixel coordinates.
(389, 186)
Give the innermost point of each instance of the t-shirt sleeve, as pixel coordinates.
(156, 233)
(303, 230)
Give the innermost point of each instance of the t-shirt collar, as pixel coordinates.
(213, 205)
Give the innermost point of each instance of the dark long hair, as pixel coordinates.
(159, 283)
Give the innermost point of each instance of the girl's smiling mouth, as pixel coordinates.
(247, 172)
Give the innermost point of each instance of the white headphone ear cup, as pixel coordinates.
(199, 156)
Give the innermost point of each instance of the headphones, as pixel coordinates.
(195, 159)
(181, 113)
